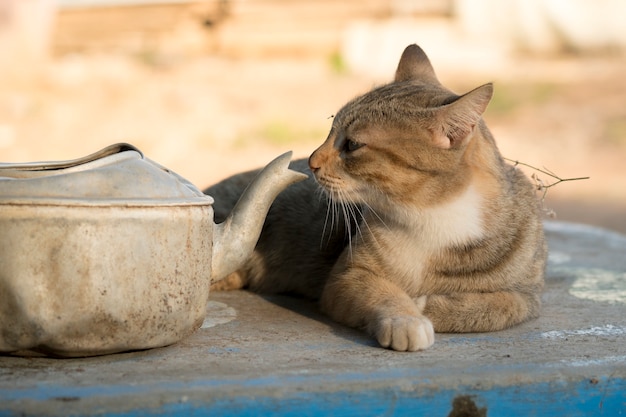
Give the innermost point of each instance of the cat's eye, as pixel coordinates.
(351, 146)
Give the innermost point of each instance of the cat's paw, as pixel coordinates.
(405, 333)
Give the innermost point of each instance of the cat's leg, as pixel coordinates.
(235, 281)
(479, 312)
(402, 332)
(359, 298)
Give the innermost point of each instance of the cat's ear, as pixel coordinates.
(454, 123)
(414, 65)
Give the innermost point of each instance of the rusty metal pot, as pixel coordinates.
(113, 252)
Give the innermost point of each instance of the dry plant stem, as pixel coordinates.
(541, 186)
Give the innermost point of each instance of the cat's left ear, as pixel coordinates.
(415, 65)
(454, 123)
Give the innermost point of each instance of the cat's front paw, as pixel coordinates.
(405, 333)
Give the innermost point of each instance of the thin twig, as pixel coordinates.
(546, 172)
(539, 184)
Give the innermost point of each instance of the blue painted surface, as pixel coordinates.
(604, 396)
(580, 399)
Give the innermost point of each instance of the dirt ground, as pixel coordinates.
(207, 118)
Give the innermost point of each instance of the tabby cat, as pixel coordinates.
(420, 225)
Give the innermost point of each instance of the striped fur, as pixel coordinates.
(421, 225)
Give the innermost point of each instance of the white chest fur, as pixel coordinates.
(454, 223)
(423, 233)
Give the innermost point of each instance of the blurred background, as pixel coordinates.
(209, 88)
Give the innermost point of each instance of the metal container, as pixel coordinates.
(111, 252)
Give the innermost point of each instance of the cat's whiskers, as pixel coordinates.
(344, 199)
(330, 212)
(344, 209)
(336, 203)
(335, 200)
(371, 210)
(364, 220)
(352, 210)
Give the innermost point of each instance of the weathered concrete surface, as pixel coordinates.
(277, 355)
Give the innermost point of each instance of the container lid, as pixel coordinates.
(116, 175)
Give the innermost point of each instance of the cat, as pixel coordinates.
(420, 225)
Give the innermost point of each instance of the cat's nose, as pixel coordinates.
(313, 163)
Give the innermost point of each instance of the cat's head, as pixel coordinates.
(403, 142)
